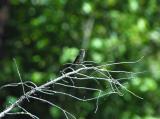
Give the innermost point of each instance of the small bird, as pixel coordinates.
(76, 63)
(80, 57)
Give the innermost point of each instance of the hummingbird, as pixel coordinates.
(76, 63)
(80, 57)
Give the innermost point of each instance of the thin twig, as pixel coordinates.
(78, 74)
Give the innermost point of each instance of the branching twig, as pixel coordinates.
(80, 74)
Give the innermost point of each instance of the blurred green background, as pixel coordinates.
(45, 34)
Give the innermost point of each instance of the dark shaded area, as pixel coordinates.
(43, 35)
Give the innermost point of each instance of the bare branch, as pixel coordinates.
(19, 75)
(97, 73)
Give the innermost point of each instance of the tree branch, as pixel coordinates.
(78, 74)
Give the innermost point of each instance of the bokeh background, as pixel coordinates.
(45, 34)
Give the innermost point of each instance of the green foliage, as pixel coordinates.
(44, 34)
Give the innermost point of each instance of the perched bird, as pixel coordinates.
(80, 57)
(76, 63)
(73, 66)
